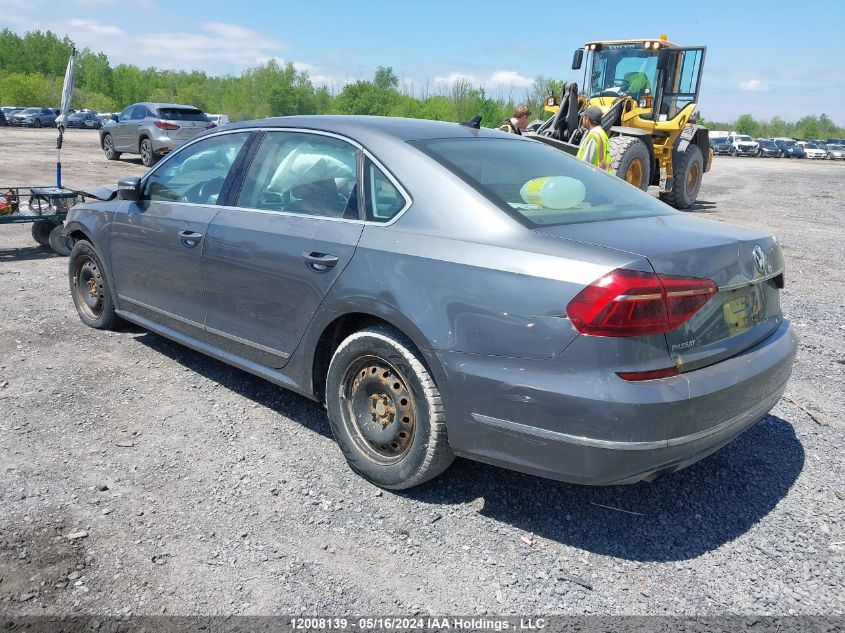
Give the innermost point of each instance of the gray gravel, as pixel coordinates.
(137, 476)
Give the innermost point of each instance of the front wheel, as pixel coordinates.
(631, 161)
(37, 123)
(90, 289)
(686, 179)
(385, 410)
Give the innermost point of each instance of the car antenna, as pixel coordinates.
(474, 123)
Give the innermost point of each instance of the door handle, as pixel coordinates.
(189, 239)
(319, 262)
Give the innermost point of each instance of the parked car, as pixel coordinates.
(6, 113)
(84, 119)
(811, 150)
(151, 130)
(218, 119)
(743, 145)
(835, 152)
(34, 117)
(790, 149)
(768, 149)
(721, 146)
(447, 290)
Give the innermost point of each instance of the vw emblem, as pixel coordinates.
(760, 259)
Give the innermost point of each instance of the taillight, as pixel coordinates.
(164, 125)
(633, 303)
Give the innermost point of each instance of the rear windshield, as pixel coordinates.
(182, 114)
(540, 185)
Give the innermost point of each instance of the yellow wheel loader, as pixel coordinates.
(648, 90)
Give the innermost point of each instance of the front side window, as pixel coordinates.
(539, 185)
(195, 174)
(297, 172)
(126, 114)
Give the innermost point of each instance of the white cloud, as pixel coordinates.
(453, 78)
(97, 29)
(510, 78)
(753, 85)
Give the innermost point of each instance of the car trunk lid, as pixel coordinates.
(190, 121)
(746, 266)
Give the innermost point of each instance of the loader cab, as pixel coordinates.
(659, 76)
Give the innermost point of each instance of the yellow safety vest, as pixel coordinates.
(601, 158)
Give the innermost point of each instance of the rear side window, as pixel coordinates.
(310, 174)
(383, 198)
(182, 114)
(539, 185)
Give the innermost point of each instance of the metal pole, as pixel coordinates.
(59, 157)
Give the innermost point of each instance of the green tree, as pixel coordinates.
(746, 124)
(385, 78)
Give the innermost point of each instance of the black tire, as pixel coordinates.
(631, 161)
(37, 123)
(686, 181)
(41, 232)
(108, 148)
(385, 410)
(89, 288)
(148, 156)
(60, 244)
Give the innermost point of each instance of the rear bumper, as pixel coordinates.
(606, 431)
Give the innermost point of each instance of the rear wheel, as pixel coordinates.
(108, 148)
(686, 181)
(89, 288)
(631, 161)
(148, 156)
(385, 410)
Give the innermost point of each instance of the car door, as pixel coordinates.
(157, 243)
(271, 257)
(119, 130)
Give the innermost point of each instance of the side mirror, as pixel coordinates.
(663, 59)
(577, 58)
(129, 188)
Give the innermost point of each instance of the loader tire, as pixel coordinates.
(686, 181)
(631, 161)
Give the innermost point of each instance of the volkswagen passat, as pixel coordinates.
(444, 291)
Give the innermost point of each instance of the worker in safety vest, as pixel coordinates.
(595, 146)
(518, 122)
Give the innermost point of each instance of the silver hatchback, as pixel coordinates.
(151, 130)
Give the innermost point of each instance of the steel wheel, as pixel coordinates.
(693, 175)
(634, 175)
(87, 288)
(379, 409)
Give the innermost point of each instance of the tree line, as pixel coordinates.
(32, 70)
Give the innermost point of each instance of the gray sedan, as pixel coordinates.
(445, 290)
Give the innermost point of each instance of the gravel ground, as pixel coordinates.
(139, 476)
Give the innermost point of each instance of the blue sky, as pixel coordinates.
(772, 58)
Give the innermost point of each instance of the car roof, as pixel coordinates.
(153, 104)
(363, 127)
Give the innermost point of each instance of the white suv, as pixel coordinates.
(744, 145)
